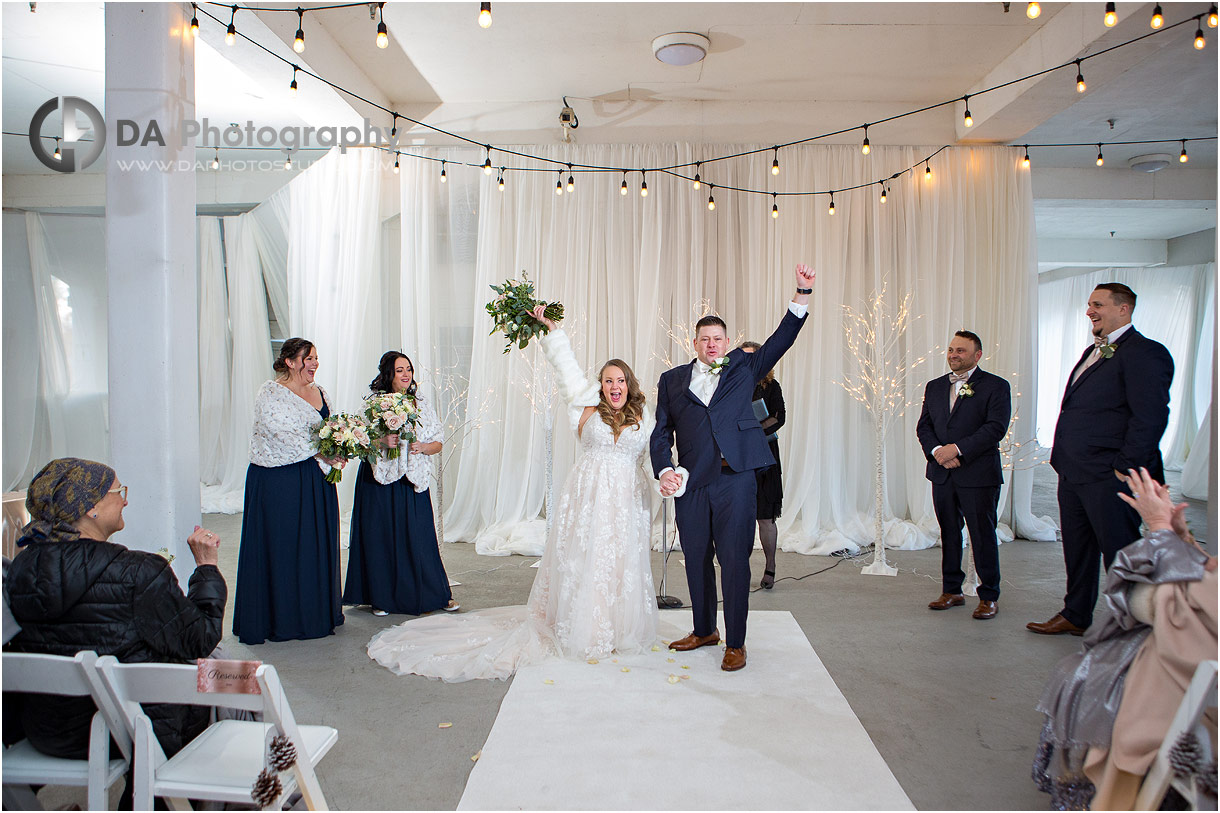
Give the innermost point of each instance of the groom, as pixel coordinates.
(707, 405)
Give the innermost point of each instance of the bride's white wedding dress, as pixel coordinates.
(593, 594)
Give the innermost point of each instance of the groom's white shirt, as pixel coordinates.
(703, 383)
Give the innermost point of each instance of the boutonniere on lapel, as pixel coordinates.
(1107, 350)
(965, 390)
(718, 366)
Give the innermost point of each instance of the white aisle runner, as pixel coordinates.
(776, 735)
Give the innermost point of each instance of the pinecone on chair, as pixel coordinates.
(267, 789)
(1186, 756)
(1205, 780)
(283, 753)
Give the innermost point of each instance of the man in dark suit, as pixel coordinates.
(707, 406)
(965, 415)
(1111, 420)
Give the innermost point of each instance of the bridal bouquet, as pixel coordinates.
(345, 436)
(392, 413)
(510, 311)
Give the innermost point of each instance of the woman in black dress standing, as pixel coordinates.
(394, 563)
(770, 481)
(288, 563)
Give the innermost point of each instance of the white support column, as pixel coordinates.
(150, 269)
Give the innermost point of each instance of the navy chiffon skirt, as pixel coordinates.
(394, 563)
(288, 565)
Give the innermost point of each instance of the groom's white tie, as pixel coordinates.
(703, 383)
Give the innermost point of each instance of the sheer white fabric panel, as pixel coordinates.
(214, 351)
(333, 241)
(1174, 306)
(269, 226)
(629, 268)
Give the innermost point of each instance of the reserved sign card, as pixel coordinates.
(227, 677)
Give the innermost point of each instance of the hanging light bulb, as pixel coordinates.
(1212, 16)
(1100, 160)
(444, 177)
(394, 126)
(927, 171)
(968, 120)
(1200, 43)
(1158, 19)
(292, 88)
(216, 159)
(288, 160)
(500, 180)
(231, 32)
(487, 162)
(298, 44)
(832, 203)
(559, 184)
(622, 190)
(774, 207)
(883, 192)
(485, 15)
(865, 148)
(1025, 160)
(775, 162)
(194, 20)
(1033, 10)
(383, 33)
(1111, 18)
(1183, 158)
(395, 163)
(696, 183)
(643, 185)
(571, 180)
(711, 201)
(1081, 87)
(56, 154)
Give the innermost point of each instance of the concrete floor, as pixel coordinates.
(948, 701)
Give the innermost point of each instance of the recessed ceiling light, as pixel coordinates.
(681, 48)
(1150, 163)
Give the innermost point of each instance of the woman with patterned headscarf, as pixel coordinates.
(70, 589)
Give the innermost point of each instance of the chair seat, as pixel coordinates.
(23, 764)
(223, 762)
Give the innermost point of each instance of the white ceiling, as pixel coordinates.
(776, 72)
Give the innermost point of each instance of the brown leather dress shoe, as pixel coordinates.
(985, 610)
(946, 601)
(1056, 626)
(734, 658)
(693, 641)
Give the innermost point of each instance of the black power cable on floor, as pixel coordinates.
(841, 560)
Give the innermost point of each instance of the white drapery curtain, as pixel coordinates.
(55, 340)
(629, 269)
(1174, 305)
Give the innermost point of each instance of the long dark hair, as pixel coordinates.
(633, 407)
(384, 382)
(293, 348)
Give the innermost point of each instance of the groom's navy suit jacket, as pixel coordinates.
(1112, 417)
(976, 424)
(726, 427)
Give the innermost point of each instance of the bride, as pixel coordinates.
(593, 594)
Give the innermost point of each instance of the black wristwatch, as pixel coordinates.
(805, 291)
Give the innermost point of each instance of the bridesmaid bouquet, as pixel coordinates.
(392, 413)
(510, 311)
(345, 436)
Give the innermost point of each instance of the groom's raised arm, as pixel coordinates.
(777, 343)
(662, 441)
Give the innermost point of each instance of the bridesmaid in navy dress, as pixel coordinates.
(394, 563)
(288, 565)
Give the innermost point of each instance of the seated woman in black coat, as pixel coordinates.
(70, 589)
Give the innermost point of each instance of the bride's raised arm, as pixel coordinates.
(577, 391)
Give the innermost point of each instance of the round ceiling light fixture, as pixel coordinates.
(681, 48)
(1150, 163)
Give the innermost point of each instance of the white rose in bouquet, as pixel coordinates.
(394, 421)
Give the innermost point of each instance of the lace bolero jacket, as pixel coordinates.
(282, 433)
(575, 388)
(417, 468)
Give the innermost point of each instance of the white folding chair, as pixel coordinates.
(1200, 696)
(24, 766)
(223, 762)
